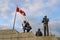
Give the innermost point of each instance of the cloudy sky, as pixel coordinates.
(35, 11)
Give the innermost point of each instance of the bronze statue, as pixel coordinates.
(45, 23)
(26, 26)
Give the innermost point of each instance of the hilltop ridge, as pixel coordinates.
(14, 35)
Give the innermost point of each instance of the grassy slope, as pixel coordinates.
(58, 38)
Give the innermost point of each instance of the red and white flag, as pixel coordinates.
(22, 12)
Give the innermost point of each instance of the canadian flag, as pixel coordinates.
(22, 12)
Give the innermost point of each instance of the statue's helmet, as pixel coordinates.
(38, 29)
(24, 21)
(45, 16)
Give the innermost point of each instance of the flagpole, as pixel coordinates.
(14, 21)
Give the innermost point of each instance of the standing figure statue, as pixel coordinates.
(45, 23)
(26, 26)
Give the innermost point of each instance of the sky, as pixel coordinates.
(35, 11)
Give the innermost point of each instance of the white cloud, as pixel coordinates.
(35, 6)
(51, 3)
(54, 27)
(54, 23)
(39, 4)
(27, 0)
(4, 26)
(4, 8)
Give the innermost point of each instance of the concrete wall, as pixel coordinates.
(14, 35)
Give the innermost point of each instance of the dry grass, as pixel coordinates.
(14, 35)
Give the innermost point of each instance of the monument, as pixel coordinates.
(26, 26)
(45, 24)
